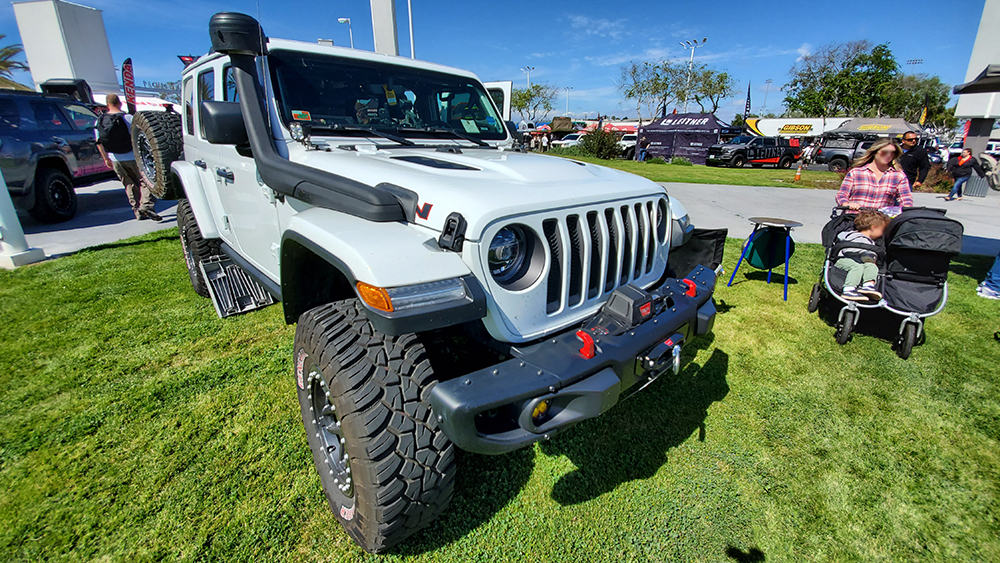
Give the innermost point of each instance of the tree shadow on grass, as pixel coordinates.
(484, 486)
(631, 441)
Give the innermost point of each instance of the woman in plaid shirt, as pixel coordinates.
(876, 181)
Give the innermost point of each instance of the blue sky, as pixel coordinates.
(580, 44)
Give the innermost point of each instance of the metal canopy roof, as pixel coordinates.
(988, 81)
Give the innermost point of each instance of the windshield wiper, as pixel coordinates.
(353, 129)
(454, 132)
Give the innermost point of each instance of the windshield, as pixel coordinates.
(331, 92)
(572, 137)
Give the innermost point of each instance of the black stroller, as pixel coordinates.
(914, 256)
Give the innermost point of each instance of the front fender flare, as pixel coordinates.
(190, 180)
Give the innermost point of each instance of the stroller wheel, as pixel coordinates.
(814, 298)
(906, 341)
(845, 327)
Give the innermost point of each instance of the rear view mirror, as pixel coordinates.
(222, 123)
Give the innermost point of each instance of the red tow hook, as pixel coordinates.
(589, 350)
(692, 288)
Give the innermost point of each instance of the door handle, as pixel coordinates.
(225, 173)
(200, 164)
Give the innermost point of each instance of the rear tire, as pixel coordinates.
(907, 340)
(375, 427)
(55, 197)
(837, 165)
(738, 161)
(630, 153)
(814, 298)
(785, 162)
(196, 248)
(156, 141)
(845, 328)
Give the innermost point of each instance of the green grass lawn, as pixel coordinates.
(137, 426)
(767, 176)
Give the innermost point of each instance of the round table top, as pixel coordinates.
(774, 222)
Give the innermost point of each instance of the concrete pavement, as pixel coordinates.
(719, 206)
(103, 215)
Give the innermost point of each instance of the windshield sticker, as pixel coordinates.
(390, 95)
(490, 120)
(301, 115)
(470, 126)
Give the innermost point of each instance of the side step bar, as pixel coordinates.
(233, 291)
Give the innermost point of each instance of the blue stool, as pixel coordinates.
(768, 233)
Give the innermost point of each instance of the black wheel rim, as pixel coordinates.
(329, 433)
(60, 195)
(146, 158)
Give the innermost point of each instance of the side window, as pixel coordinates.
(769, 142)
(48, 117)
(81, 117)
(754, 142)
(189, 106)
(10, 117)
(206, 89)
(229, 82)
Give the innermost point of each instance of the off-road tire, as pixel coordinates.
(401, 465)
(837, 165)
(156, 142)
(785, 162)
(846, 327)
(55, 197)
(196, 248)
(630, 153)
(738, 161)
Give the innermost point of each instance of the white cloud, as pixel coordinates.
(804, 50)
(601, 27)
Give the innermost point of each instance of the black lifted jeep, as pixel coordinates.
(758, 151)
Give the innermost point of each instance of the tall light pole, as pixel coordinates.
(409, 10)
(767, 88)
(693, 44)
(349, 28)
(527, 70)
(567, 88)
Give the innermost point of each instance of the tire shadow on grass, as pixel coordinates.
(631, 441)
(483, 487)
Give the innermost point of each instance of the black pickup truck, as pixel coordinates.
(758, 151)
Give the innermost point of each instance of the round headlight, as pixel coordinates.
(508, 251)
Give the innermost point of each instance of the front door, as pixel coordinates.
(251, 206)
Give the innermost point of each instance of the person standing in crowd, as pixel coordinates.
(534, 143)
(914, 162)
(545, 143)
(808, 152)
(961, 168)
(114, 141)
(643, 148)
(875, 180)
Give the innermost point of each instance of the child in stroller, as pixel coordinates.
(858, 255)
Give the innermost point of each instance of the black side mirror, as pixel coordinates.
(222, 123)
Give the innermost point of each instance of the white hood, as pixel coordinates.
(494, 185)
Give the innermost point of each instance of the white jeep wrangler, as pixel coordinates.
(449, 292)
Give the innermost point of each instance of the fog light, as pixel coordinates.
(541, 410)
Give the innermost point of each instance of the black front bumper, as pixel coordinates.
(490, 411)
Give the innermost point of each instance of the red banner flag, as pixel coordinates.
(128, 81)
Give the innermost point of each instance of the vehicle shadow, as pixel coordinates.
(107, 206)
(631, 441)
(483, 487)
(752, 555)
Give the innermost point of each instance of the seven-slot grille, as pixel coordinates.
(593, 252)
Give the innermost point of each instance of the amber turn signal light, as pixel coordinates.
(375, 297)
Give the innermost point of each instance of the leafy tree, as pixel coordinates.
(7, 63)
(912, 92)
(711, 87)
(851, 79)
(601, 144)
(534, 103)
(635, 86)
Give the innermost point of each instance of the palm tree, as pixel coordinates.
(7, 54)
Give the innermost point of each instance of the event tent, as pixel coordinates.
(682, 134)
(876, 126)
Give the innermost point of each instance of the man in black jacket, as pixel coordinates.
(914, 161)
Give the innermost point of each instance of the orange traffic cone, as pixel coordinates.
(798, 173)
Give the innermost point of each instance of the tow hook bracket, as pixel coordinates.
(663, 355)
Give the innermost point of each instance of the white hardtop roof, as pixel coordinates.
(347, 53)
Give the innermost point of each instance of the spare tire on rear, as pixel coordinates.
(156, 140)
